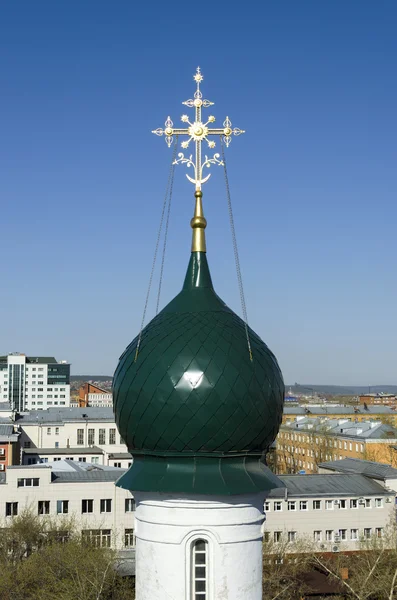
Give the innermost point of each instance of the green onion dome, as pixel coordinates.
(195, 411)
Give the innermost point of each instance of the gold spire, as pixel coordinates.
(198, 224)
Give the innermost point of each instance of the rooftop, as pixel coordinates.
(70, 471)
(339, 410)
(369, 468)
(328, 485)
(62, 415)
(33, 359)
(71, 451)
(343, 427)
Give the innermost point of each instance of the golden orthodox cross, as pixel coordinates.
(198, 132)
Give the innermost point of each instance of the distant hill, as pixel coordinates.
(91, 377)
(342, 390)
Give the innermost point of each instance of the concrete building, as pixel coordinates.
(379, 399)
(305, 442)
(83, 492)
(385, 475)
(93, 395)
(70, 428)
(93, 455)
(34, 382)
(333, 512)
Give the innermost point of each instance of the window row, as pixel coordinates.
(331, 442)
(294, 505)
(62, 506)
(102, 435)
(341, 535)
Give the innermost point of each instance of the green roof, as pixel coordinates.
(194, 398)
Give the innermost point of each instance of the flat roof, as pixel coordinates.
(64, 471)
(66, 414)
(339, 410)
(89, 450)
(369, 468)
(332, 485)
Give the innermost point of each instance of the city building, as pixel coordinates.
(384, 474)
(355, 413)
(69, 428)
(93, 395)
(92, 454)
(305, 442)
(331, 513)
(379, 399)
(34, 382)
(198, 399)
(9, 445)
(80, 492)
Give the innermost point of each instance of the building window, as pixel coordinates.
(48, 430)
(97, 537)
(354, 534)
(102, 436)
(316, 504)
(292, 536)
(378, 502)
(367, 532)
(91, 437)
(112, 436)
(106, 506)
(62, 507)
(56, 430)
(303, 505)
(329, 535)
(277, 536)
(199, 569)
(317, 536)
(11, 509)
(87, 506)
(95, 460)
(379, 532)
(267, 506)
(28, 482)
(26, 444)
(82, 459)
(291, 505)
(80, 437)
(367, 503)
(353, 503)
(44, 507)
(278, 506)
(343, 534)
(342, 504)
(117, 464)
(329, 505)
(129, 504)
(129, 538)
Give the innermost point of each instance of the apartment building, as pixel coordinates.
(356, 414)
(304, 443)
(92, 454)
(331, 513)
(34, 382)
(379, 399)
(9, 445)
(86, 493)
(93, 395)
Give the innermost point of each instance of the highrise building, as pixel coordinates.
(34, 382)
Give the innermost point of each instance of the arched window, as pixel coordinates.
(199, 570)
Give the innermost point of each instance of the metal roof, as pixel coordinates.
(6, 429)
(343, 427)
(90, 450)
(63, 415)
(329, 485)
(369, 468)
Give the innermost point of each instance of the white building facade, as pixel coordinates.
(83, 492)
(34, 382)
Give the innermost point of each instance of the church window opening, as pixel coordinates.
(199, 570)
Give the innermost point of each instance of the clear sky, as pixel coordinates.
(313, 180)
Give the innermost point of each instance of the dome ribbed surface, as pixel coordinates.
(193, 388)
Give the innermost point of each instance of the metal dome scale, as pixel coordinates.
(197, 408)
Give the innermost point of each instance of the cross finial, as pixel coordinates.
(198, 132)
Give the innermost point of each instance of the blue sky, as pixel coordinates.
(313, 180)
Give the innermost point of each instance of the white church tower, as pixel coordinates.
(198, 399)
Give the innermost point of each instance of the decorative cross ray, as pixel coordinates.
(198, 132)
